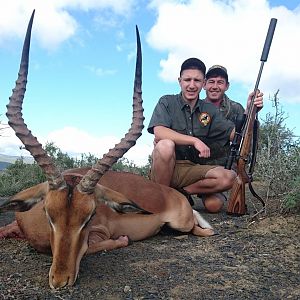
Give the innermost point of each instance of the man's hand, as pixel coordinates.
(204, 151)
(258, 100)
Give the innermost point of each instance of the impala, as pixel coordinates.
(83, 210)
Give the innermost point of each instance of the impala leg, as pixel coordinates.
(183, 218)
(117, 232)
(178, 213)
(199, 231)
(201, 227)
(110, 244)
(11, 230)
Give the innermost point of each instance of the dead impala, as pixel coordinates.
(87, 210)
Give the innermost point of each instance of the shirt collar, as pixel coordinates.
(224, 102)
(184, 103)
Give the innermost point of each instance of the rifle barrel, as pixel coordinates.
(265, 53)
(264, 57)
(252, 109)
(236, 203)
(268, 41)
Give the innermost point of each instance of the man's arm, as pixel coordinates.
(162, 133)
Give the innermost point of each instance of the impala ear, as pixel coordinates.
(19, 204)
(127, 207)
(116, 201)
(26, 199)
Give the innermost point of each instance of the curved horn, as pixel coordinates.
(16, 122)
(89, 181)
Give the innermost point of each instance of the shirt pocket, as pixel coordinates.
(201, 124)
(201, 129)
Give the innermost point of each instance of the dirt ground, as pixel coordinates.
(247, 260)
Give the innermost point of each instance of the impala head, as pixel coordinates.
(69, 213)
(69, 205)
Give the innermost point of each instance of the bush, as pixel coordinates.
(292, 199)
(278, 159)
(19, 176)
(123, 164)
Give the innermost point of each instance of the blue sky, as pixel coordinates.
(82, 62)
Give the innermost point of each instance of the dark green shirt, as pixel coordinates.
(204, 122)
(230, 109)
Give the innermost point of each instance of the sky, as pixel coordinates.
(82, 60)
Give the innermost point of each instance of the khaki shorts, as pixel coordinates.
(187, 172)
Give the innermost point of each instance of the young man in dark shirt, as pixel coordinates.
(188, 131)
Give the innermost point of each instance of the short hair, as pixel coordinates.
(193, 63)
(217, 70)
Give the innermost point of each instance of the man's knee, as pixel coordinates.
(229, 179)
(224, 177)
(163, 162)
(164, 149)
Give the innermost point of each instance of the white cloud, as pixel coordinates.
(75, 141)
(231, 33)
(54, 23)
(100, 72)
(9, 143)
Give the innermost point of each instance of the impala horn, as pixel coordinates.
(16, 122)
(89, 181)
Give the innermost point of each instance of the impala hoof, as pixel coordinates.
(199, 231)
(124, 240)
(208, 231)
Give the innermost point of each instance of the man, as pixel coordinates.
(185, 130)
(216, 84)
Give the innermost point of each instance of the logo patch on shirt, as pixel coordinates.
(204, 118)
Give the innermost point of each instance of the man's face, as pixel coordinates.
(215, 88)
(191, 82)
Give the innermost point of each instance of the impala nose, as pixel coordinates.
(58, 283)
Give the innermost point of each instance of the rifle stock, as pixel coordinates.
(241, 150)
(237, 200)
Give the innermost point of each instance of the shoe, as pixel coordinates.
(187, 195)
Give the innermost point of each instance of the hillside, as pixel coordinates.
(5, 160)
(3, 165)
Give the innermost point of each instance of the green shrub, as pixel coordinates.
(291, 201)
(19, 176)
(278, 160)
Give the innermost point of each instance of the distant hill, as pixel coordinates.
(3, 165)
(6, 160)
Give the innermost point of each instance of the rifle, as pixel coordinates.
(244, 145)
